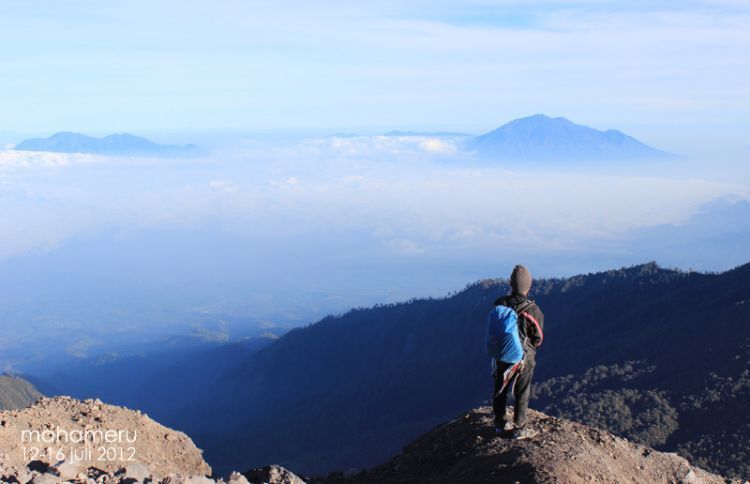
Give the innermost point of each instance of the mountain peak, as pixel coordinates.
(541, 137)
(468, 450)
(539, 119)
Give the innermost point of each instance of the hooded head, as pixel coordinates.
(520, 280)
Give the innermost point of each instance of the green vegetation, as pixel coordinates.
(709, 427)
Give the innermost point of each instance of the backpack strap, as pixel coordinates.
(523, 310)
(525, 306)
(519, 310)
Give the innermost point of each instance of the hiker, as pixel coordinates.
(515, 360)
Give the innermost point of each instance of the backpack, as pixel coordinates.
(502, 339)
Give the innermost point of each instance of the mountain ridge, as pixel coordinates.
(347, 412)
(122, 144)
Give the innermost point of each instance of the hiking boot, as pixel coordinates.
(524, 433)
(503, 428)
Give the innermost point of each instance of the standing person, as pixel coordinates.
(530, 329)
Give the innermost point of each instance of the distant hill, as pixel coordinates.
(114, 144)
(15, 392)
(656, 355)
(540, 137)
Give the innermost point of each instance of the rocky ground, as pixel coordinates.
(468, 450)
(66, 440)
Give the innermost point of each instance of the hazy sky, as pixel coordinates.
(666, 72)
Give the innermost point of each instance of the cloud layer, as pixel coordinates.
(413, 195)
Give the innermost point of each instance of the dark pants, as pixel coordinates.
(522, 392)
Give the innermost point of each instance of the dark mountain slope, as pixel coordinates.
(349, 391)
(15, 392)
(709, 426)
(159, 382)
(540, 137)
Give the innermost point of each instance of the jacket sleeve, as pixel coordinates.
(535, 326)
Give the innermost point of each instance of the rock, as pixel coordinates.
(160, 449)
(562, 452)
(45, 479)
(23, 476)
(237, 478)
(67, 470)
(38, 466)
(272, 475)
(137, 471)
(95, 472)
(691, 478)
(104, 478)
(198, 480)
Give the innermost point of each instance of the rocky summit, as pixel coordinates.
(62, 439)
(467, 449)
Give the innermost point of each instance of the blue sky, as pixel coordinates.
(660, 70)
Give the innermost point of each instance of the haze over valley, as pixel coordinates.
(251, 239)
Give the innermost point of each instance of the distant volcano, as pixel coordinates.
(540, 137)
(114, 144)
